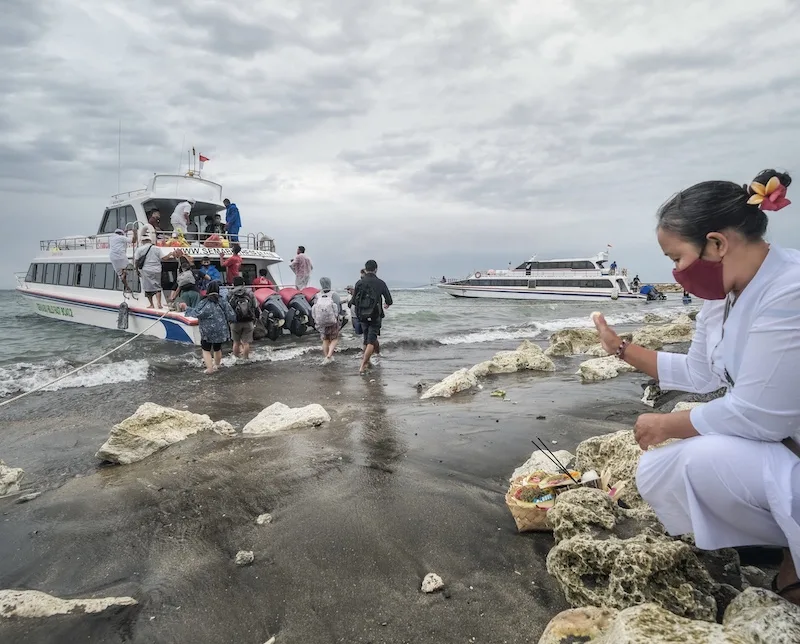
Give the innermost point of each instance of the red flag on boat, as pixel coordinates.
(203, 160)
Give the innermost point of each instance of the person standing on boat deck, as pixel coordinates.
(214, 225)
(209, 272)
(149, 229)
(233, 264)
(301, 266)
(118, 255)
(245, 307)
(147, 259)
(613, 268)
(213, 314)
(233, 220)
(180, 217)
(327, 314)
(368, 293)
(734, 479)
(635, 283)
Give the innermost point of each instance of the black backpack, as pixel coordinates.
(367, 300)
(242, 307)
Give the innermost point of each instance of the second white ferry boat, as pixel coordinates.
(575, 279)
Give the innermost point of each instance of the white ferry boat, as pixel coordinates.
(581, 279)
(72, 278)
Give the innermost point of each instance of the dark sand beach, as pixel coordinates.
(363, 507)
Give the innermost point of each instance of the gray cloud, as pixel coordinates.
(446, 134)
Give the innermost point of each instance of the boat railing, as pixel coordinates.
(251, 241)
(124, 196)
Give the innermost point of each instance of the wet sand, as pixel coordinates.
(363, 507)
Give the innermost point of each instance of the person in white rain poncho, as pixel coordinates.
(118, 255)
(301, 267)
(734, 479)
(180, 216)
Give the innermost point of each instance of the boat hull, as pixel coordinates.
(537, 294)
(101, 314)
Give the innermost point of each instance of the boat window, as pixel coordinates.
(124, 216)
(83, 274)
(31, 276)
(109, 224)
(571, 283)
(39, 273)
(50, 273)
(66, 274)
(111, 278)
(622, 287)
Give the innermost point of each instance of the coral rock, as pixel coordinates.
(279, 417)
(618, 452)
(686, 406)
(432, 583)
(10, 478)
(32, 603)
(461, 380)
(651, 624)
(223, 428)
(603, 369)
(244, 558)
(151, 428)
(655, 337)
(527, 357)
(577, 625)
(567, 342)
(759, 615)
(620, 573)
(538, 462)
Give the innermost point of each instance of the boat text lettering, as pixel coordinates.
(55, 310)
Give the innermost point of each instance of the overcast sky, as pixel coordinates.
(435, 136)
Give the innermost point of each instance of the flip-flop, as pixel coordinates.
(795, 585)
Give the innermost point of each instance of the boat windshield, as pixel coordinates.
(182, 188)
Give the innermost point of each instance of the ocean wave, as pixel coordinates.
(24, 376)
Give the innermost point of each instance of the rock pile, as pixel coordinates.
(631, 583)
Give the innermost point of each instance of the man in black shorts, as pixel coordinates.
(370, 297)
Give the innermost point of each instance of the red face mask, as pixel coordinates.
(702, 278)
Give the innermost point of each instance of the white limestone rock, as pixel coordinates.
(598, 369)
(279, 417)
(461, 380)
(10, 478)
(567, 342)
(578, 625)
(244, 558)
(528, 356)
(264, 519)
(223, 428)
(759, 615)
(649, 624)
(686, 406)
(596, 350)
(151, 428)
(655, 337)
(538, 462)
(653, 318)
(33, 603)
(432, 583)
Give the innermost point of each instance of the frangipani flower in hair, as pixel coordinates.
(768, 197)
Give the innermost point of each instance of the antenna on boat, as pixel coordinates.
(119, 157)
(180, 154)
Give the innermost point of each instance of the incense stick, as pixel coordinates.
(546, 451)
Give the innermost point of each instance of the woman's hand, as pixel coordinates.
(608, 337)
(650, 429)
(182, 306)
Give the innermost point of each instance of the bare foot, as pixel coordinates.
(151, 307)
(209, 371)
(786, 583)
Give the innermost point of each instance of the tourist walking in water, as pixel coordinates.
(246, 310)
(301, 267)
(734, 478)
(232, 264)
(371, 296)
(233, 220)
(214, 315)
(327, 314)
(147, 259)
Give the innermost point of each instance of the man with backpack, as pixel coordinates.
(367, 296)
(327, 315)
(245, 307)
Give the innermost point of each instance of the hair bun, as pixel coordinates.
(764, 176)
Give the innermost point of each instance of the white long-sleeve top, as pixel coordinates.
(760, 350)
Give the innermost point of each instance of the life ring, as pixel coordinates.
(478, 274)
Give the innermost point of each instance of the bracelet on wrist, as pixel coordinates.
(620, 352)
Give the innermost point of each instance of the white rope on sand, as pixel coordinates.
(88, 364)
